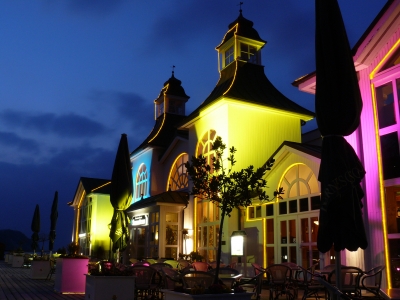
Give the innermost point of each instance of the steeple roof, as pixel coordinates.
(173, 86)
(247, 82)
(242, 27)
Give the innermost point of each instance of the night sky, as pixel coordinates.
(76, 74)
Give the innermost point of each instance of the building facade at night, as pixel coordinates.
(249, 113)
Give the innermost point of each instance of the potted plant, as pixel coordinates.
(40, 267)
(70, 271)
(106, 280)
(18, 258)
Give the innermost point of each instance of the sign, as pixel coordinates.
(139, 220)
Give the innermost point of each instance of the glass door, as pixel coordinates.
(287, 244)
(308, 240)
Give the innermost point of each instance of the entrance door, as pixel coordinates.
(298, 239)
(138, 243)
(287, 244)
(308, 240)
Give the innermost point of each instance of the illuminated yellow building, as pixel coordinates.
(92, 214)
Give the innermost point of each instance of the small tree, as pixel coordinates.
(227, 188)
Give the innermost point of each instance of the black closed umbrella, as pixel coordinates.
(35, 227)
(338, 106)
(53, 221)
(121, 196)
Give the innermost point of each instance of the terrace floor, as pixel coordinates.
(17, 284)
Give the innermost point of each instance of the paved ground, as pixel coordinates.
(17, 284)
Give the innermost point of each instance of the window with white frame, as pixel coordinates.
(387, 97)
(141, 182)
(207, 212)
(178, 177)
(229, 56)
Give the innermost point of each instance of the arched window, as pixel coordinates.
(207, 212)
(178, 177)
(297, 215)
(141, 182)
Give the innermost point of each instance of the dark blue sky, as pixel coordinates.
(74, 75)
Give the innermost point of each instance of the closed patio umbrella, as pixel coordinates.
(35, 227)
(121, 196)
(53, 221)
(338, 106)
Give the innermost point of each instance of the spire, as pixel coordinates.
(240, 7)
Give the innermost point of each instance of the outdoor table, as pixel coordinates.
(230, 279)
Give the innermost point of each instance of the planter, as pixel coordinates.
(10, 258)
(6, 258)
(70, 275)
(109, 287)
(170, 295)
(17, 261)
(40, 269)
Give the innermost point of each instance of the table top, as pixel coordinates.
(232, 276)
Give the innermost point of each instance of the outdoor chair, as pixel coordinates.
(173, 263)
(280, 281)
(183, 263)
(201, 266)
(197, 279)
(147, 282)
(158, 266)
(229, 282)
(258, 269)
(293, 283)
(371, 281)
(253, 284)
(307, 281)
(350, 280)
(170, 278)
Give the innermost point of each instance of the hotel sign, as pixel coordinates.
(139, 220)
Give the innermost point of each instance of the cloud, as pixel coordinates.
(131, 110)
(24, 186)
(10, 139)
(69, 125)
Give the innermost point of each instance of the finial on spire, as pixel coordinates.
(173, 68)
(240, 6)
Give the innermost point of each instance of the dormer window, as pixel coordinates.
(229, 56)
(248, 53)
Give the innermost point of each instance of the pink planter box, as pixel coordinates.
(70, 275)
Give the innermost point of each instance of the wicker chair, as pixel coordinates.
(308, 282)
(350, 280)
(159, 266)
(280, 281)
(148, 282)
(170, 278)
(253, 284)
(197, 279)
(371, 281)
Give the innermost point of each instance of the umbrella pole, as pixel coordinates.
(338, 263)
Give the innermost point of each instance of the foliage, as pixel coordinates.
(62, 250)
(73, 251)
(107, 268)
(227, 188)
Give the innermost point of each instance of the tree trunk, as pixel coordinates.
(216, 278)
